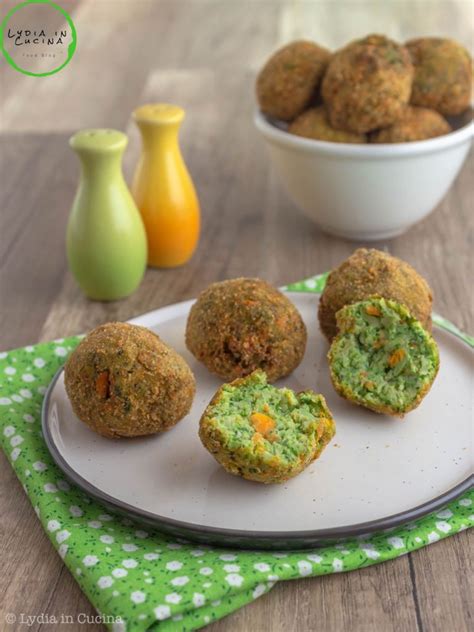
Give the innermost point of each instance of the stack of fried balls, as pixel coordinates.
(373, 90)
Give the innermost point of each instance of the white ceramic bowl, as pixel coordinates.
(365, 192)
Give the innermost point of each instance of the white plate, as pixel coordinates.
(376, 473)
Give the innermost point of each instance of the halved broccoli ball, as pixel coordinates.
(263, 433)
(383, 358)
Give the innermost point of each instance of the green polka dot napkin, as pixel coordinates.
(139, 579)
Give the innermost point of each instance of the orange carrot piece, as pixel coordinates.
(396, 357)
(102, 384)
(262, 423)
(372, 310)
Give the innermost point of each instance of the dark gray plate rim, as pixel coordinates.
(236, 537)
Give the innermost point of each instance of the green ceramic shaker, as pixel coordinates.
(106, 240)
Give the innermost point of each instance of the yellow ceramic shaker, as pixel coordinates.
(163, 189)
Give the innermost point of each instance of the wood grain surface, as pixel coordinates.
(204, 55)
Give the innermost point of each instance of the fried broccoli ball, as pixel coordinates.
(416, 124)
(373, 273)
(383, 358)
(290, 78)
(124, 381)
(443, 75)
(262, 433)
(367, 84)
(240, 325)
(314, 124)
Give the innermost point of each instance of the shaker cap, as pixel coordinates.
(158, 113)
(98, 140)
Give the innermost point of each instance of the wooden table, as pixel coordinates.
(204, 55)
